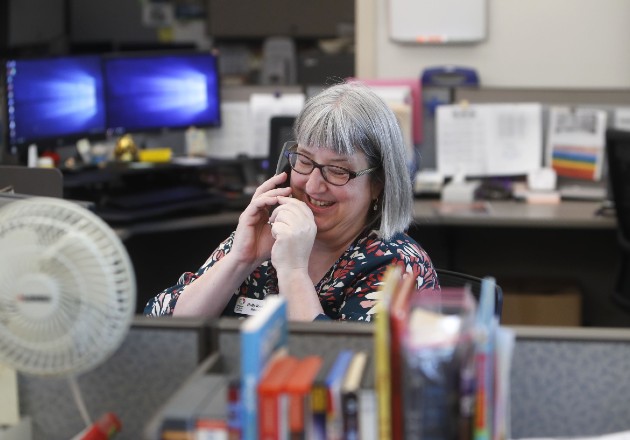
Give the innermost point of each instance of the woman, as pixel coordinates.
(333, 230)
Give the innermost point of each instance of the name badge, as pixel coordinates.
(247, 306)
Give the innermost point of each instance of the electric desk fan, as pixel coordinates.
(67, 290)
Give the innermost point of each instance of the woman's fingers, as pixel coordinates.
(271, 183)
(288, 206)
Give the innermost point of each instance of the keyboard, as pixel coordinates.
(148, 204)
(159, 196)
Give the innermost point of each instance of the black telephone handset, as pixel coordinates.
(283, 163)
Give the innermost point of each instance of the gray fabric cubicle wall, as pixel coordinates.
(564, 381)
(153, 361)
(569, 382)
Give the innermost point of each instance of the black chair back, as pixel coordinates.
(449, 278)
(618, 155)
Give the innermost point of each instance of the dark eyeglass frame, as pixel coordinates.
(289, 151)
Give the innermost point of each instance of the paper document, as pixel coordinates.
(622, 118)
(236, 134)
(575, 142)
(489, 139)
(400, 100)
(416, 99)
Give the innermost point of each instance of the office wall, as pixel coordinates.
(533, 43)
(32, 22)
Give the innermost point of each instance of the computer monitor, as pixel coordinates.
(52, 101)
(152, 92)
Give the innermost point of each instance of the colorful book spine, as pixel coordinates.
(299, 389)
(334, 381)
(234, 408)
(484, 362)
(212, 415)
(350, 395)
(319, 399)
(368, 408)
(183, 409)
(272, 398)
(382, 340)
(399, 314)
(262, 335)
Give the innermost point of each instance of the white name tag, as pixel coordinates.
(247, 306)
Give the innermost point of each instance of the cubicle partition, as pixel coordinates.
(570, 382)
(154, 360)
(564, 382)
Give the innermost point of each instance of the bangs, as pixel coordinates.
(328, 127)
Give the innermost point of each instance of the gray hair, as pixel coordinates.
(350, 117)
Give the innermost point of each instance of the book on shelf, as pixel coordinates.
(436, 351)
(368, 406)
(234, 421)
(273, 408)
(319, 398)
(299, 388)
(212, 415)
(486, 323)
(174, 429)
(350, 390)
(382, 341)
(398, 316)
(334, 381)
(203, 398)
(262, 335)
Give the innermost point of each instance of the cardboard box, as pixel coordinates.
(558, 304)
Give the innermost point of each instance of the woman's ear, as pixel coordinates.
(376, 189)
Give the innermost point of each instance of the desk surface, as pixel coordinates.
(569, 214)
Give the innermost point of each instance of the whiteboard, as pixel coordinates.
(437, 21)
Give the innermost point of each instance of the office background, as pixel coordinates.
(577, 46)
(563, 44)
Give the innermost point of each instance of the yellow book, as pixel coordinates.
(381, 352)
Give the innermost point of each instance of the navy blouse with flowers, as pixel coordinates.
(348, 291)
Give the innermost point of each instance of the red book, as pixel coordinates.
(272, 399)
(398, 317)
(298, 388)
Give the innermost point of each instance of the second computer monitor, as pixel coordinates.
(154, 92)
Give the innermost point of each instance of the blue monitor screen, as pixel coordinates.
(54, 99)
(147, 93)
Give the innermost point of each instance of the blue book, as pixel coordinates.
(486, 323)
(334, 381)
(262, 335)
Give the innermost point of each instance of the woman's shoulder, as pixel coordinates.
(372, 253)
(401, 242)
(371, 250)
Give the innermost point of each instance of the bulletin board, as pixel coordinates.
(437, 21)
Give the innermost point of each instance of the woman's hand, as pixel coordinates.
(293, 228)
(253, 240)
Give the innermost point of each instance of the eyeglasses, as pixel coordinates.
(332, 174)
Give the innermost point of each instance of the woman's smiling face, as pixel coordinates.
(340, 212)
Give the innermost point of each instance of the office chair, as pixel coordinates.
(449, 278)
(618, 155)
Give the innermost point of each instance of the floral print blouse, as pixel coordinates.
(348, 291)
